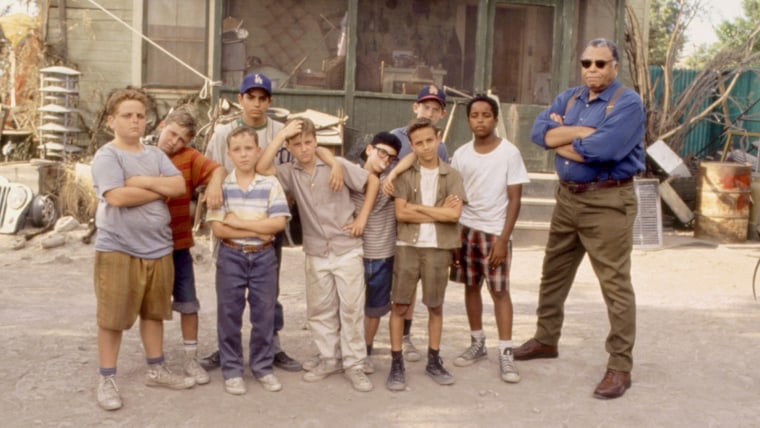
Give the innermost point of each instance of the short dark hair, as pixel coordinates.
(605, 43)
(388, 139)
(485, 98)
(243, 130)
(419, 123)
(183, 119)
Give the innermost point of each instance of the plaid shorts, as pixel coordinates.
(127, 286)
(473, 266)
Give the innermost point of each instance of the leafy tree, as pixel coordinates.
(663, 16)
(731, 34)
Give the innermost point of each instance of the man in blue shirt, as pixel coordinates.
(596, 131)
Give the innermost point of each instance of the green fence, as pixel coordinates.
(708, 135)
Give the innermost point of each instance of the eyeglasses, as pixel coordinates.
(599, 63)
(383, 154)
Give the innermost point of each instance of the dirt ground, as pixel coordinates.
(696, 355)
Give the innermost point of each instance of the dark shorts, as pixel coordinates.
(474, 261)
(378, 276)
(431, 265)
(185, 298)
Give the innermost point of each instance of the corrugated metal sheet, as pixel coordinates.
(705, 138)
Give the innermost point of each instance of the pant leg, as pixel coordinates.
(262, 295)
(348, 271)
(279, 314)
(563, 255)
(231, 283)
(607, 233)
(322, 306)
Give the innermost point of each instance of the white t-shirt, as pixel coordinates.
(428, 189)
(486, 177)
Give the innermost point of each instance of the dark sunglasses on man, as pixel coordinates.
(599, 63)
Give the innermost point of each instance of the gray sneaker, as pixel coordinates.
(195, 371)
(369, 365)
(473, 354)
(411, 353)
(108, 393)
(160, 375)
(439, 373)
(396, 378)
(507, 367)
(358, 379)
(270, 383)
(324, 369)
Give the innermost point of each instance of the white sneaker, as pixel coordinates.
(235, 386)
(411, 353)
(324, 369)
(195, 371)
(270, 383)
(108, 393)
(358, 379)
(507, 367)
(160, 375)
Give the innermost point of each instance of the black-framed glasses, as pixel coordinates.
(385, 155)
(599, 63)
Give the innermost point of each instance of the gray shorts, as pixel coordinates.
(431, 265)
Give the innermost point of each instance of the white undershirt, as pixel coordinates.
(428, 191)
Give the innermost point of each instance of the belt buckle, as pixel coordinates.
(248, 249)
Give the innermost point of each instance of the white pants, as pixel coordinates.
(335, 305)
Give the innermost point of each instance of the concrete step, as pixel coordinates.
(536, 209)
(541, 185)
(530, 233)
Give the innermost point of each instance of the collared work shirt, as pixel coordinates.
(323, 212)
(407, 187)
(614, 151)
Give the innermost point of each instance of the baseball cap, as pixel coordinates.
(256, 81)
(432, 92)
(388, 139)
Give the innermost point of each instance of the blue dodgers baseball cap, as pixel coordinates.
(256, 81)
(432, 92)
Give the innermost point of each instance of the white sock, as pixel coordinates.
(504, 344)
(190, 346)
(478, 334)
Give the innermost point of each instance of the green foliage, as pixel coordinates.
(731, 35)
(663, 17)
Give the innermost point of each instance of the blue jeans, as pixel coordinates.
(238, 272)
(185, 301)
(378, 276)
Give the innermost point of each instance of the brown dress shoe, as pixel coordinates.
(613, 385)
(535, 349)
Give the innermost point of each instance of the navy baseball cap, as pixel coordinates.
(432, 92)
(256, 81)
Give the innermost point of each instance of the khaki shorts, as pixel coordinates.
(412, 264)
(126, 286)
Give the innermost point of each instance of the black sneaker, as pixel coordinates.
(396, 378)
(283, 361)
(210, 361)
(436, 371)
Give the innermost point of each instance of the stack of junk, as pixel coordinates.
(59, 98)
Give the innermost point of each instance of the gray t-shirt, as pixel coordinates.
(141, 231)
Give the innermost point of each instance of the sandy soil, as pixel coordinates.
(695, 359)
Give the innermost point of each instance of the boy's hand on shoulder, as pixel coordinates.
(388, 187)
(336, 177)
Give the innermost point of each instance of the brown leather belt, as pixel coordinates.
(247, 248)
(593, 185)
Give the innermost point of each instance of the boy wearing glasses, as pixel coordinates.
(596, 131)
(379, 239)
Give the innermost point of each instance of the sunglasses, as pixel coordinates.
(599, 63)
(383, 154)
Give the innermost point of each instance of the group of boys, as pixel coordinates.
(429, 216)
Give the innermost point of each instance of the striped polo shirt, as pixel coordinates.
(262, 199)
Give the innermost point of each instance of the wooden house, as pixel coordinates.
(365, 59)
